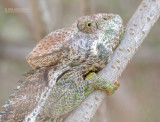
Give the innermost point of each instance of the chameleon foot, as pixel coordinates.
(100, 83)
(116, 84)
(115, 87)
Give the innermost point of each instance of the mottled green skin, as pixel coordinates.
(58, 105)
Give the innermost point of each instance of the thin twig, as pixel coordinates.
(45, 15)
(41, 17)
(25, 18)
(136, 30)
(85, 6)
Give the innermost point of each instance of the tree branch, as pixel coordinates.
(136, 30)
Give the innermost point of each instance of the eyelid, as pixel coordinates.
(107, 17)
(85, 28)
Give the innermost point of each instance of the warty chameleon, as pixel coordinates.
(64, 63)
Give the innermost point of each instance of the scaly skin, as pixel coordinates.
(73, 95)
(61, 61)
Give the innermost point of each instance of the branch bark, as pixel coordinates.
(136, 30)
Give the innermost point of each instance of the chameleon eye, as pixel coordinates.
(87, 26)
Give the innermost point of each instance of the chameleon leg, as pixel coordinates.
(101, 83)
(71, 97)
(74, 96)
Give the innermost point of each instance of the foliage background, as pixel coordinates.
(138, 97)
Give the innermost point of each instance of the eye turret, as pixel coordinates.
(87, 26)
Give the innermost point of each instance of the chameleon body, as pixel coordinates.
(62, 62)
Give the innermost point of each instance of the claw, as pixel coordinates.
(109, 93)
(116, 84)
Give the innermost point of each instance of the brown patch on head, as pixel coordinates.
(49, 45)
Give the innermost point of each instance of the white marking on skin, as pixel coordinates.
(24, 97)
(18, 87)
(33, 115)
(5, 105)
(94, 48)
(95, 43)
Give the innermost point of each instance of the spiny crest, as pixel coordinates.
(7, 103)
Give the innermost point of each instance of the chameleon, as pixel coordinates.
(64, 65)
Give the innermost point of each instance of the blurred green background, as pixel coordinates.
(22, 25)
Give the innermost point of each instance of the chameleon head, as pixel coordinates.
(105, 31)
(98, 34)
